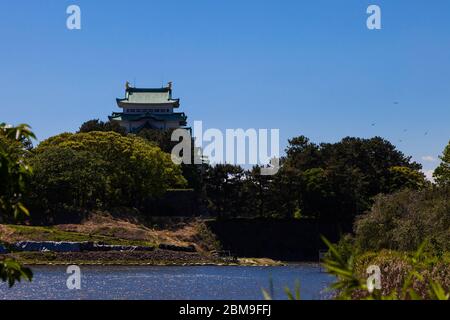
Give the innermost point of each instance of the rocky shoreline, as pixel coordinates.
(92, 253)
(157, 257)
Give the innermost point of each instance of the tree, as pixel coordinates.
(338, 180)
(14, 176)
(130, 170)
(317, 195)
(97, 125)
(442, 172)
(404, 177)
(162, 138)
(224, 189)
(69, 179)
(284, 190)
(256, 193)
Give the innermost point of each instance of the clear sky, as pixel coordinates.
(306, 67)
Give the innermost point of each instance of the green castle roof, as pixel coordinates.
(150, 96)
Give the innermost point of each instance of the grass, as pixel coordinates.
(53, 258)
(54, 234)
(129, 259)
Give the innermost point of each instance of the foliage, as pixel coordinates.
(65, 176)
(12, 272)
(97, 125)
(101, 169)
(223, 188)
(191, 172)
(255, 193)
(351, 284)
(14, 176)
(14, 169)
(442, 172)
(401, 271)
(329, 181)
(290, 295)
(403, 220)
(162, 138)
(338, 180)
(406, 178)
(284, 191)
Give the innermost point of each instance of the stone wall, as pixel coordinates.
(280, 239)
(176, 203)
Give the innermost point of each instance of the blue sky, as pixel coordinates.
(305, 67)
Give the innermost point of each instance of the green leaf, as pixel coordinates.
(266, 295)
(438, 292)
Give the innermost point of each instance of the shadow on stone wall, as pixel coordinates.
(280, 239)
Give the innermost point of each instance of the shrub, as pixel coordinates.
(442, 172)
(404, 276)
(403, 220)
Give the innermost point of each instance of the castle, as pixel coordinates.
(151, 108)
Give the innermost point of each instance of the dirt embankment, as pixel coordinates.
(161, 234)
(107, 229)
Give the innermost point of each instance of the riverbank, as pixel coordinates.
(136, 258)
(105, 240)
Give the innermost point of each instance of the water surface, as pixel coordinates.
(163, 283)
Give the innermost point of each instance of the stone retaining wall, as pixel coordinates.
(65, 246)
(43, 246)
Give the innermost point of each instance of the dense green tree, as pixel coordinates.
(404, 177)
(256, 193)
(329, 181)
(302, 154)
(134, 169)
(97, 125)
(338, 180)
(405, 219)
(284, 193)
(162, 138)
(224, 189)
(442, 172)
(317, 195)
(69, 179)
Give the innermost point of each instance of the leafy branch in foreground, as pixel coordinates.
(344, 270)
(11, 271)
(14, 178)
(291, 295)
(14, 171)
